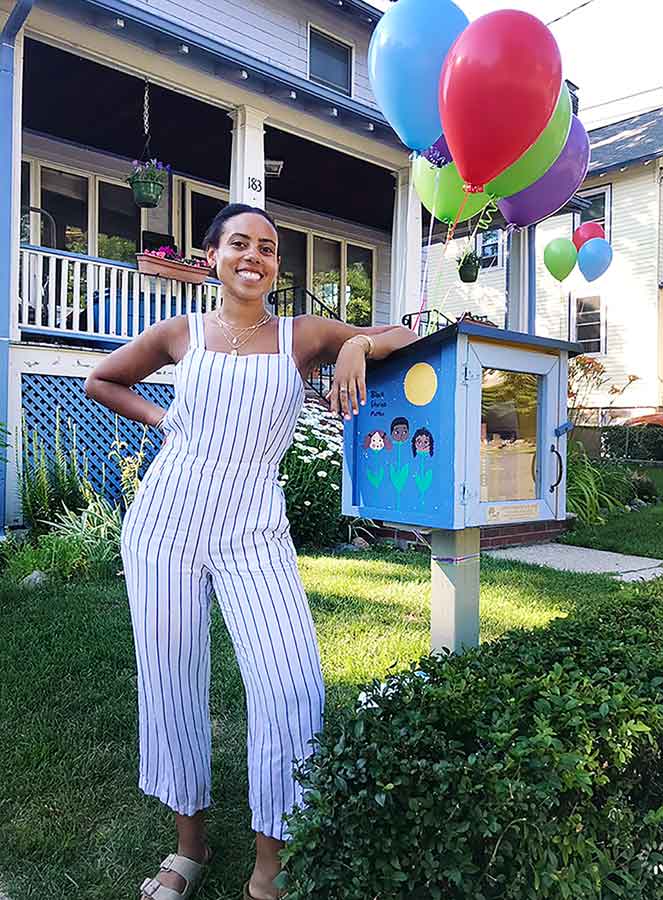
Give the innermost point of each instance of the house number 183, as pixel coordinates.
(255, 184)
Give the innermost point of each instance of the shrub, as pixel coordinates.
(632, 442)
(52, 553)
(592, 486)
(645, 488)
(311, 477)
(48, 484)
(529, 768)
(617, 482)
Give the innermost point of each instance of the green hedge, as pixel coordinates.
(530, 768)
(634, 442)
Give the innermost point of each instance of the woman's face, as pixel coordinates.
(246, 260)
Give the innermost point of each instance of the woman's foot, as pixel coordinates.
(262, 888)
(172, 879)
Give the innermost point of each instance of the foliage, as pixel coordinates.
(530, 768)
(311, 477)
(51, 553)
(152, 170)
(112, 246)
(632, 442)
(469, 258)
(587, 376)
(49, 483)
(359, 305)
(645, 487)
(592, 486)
(171, 254)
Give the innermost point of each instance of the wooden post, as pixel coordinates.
(455, 589)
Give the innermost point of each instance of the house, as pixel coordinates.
(619, 317)
(265, 102)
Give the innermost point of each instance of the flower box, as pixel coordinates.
(151, 264)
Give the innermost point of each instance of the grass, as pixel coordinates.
(72, 820)
(639, 533)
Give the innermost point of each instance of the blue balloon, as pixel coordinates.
(594, 257)
(405, 59)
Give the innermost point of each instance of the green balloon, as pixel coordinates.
(536, 161)
(441, 191)
(560, 257)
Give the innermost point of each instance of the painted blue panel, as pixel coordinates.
(400, 448)
(95, 425)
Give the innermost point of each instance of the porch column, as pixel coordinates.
(405, 248)
(11, 65)
(521, 281)
(247, 168)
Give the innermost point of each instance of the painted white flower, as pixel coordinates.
(307, 502)
(335, 487)
(335, 462)
(322, 474)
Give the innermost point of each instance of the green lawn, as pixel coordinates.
(72, 821)
(639, 533)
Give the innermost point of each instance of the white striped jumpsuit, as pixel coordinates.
(209, 517)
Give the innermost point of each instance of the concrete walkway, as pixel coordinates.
(567, 558)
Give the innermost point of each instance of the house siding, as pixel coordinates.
(448, 294)
(275, 31)
(628, 290)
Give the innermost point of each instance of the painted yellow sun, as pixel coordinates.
(420, 384)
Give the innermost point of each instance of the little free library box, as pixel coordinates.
(463, 428)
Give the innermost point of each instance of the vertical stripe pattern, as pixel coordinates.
(209, 520)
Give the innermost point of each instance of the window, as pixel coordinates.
(25, 202)
(359, 287)
(490, 248)
(203, 211)
(119, 223)
(598, 210)
(330, 62)
(65, 197)
(590, 324)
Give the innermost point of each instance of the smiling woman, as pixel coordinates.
(209, 517)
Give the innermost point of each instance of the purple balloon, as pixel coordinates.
(556, 186)
(438, 153)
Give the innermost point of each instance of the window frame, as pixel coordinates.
(587, 193)
(325, 33)
(93, 179)
(603, 330)
(501, 254)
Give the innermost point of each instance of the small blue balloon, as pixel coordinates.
(405, 59)
(594, 257)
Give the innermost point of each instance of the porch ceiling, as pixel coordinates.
(145, 28)
(75, 99)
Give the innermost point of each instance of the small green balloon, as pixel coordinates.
(441, 191)
(560, 257)
(536, 161)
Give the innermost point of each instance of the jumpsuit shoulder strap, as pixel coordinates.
(286, 330)
(196, 331)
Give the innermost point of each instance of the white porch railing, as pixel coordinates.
(97, 300)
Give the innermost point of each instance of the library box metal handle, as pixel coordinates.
(560, 468)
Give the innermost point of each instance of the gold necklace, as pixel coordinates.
(235, 340)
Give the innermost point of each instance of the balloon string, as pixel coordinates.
(424, 280)
(450, 235)
(483, 223)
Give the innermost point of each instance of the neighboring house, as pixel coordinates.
(265, 102)
(618, 318)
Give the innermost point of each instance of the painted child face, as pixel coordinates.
(400, 432)
(377, 442)
(422, 443)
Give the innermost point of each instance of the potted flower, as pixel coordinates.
(468, 266)
(147, 181)
(167, 263)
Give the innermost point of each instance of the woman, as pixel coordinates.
(209, 518)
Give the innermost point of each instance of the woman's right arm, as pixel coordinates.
(110, 382)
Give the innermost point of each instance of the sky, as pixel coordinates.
(610, 49)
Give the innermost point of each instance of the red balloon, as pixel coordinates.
(586, 232)
(498, 89)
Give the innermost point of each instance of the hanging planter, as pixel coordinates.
(166, 263)
(468, 267)
(147, 182)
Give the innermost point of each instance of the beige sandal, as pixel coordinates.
(188, 869)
